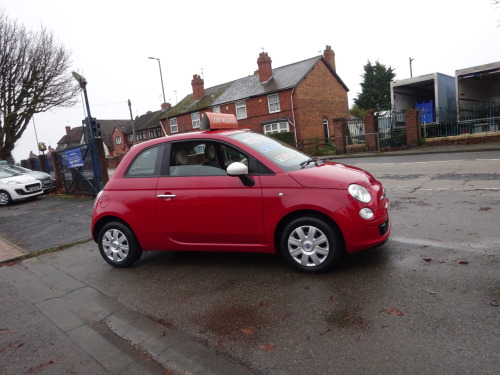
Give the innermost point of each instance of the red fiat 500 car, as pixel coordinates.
(236, 190)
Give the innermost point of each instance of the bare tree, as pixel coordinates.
(34, 78)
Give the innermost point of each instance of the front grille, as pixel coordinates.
(32, 187)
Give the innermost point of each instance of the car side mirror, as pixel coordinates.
(240, 170)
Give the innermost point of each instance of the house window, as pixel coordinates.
(274, 103)
(216, 109)
(278, 127)
(140, 135)
(130, 137)
(326, 129)
(173, 125)
(154, 133)
(241, 110)
(118, 140)
(195, 119)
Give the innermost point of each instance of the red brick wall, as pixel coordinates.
(119, 149)
(412, 126)
(319, 96)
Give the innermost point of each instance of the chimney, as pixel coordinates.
(165, 106)
(329, 56)
(68, 129)
(265, 69)
(198, 87)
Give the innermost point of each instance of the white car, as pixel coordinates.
(45, 178)
(15, 186)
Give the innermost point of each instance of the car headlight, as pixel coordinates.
(360, 193)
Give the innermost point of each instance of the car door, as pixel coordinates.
(200, 207)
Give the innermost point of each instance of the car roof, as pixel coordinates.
(190, 135)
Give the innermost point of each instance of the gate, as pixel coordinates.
(391, 133)
(392, 129)
(77, 175)
(359, 141)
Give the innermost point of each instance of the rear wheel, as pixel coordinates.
(311, 245)
(118, 245)
(5, 198)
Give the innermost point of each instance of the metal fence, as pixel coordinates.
(80, 179)
(473, 117)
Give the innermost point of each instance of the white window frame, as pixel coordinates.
(273, 102)
(241, 110)
(195, 119)
(173, 125)
(216, 109)
(118, 140)
(325, 122)
(277, 127)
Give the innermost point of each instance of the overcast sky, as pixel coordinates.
(110, 42)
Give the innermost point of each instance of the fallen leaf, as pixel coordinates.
(395, 312)
(40, 367)
(7, 331)
(428, 259)
(327, 330)
(17, 344)
(287, 316)
(463, 262)
(432, 292)
(247, 331)
(495, 303)
(332, 298)
(267, 347)
(220, 345)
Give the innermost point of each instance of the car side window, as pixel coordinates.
(196, 158)
(144, 165)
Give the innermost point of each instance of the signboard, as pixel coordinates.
(74, 158)
(218, 121)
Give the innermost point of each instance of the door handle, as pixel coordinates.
(166, 195)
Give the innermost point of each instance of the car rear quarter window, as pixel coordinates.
(146, 163)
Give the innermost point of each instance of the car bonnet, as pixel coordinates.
(332, 176)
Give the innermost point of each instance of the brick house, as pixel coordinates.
(303, 98)
(74, 136)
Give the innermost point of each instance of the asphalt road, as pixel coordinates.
(47, 222)
(427, 302)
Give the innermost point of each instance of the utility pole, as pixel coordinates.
(411, 73)
(132, 122)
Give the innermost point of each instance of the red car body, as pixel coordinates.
(223, 213)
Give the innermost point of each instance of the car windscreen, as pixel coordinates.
(4, 173)
(281, 154)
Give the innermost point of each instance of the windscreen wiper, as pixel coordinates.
(308, 161)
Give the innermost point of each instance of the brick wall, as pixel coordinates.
(319, 96)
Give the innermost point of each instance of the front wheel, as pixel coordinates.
(4, 198)
(118, 245)
(311, 245)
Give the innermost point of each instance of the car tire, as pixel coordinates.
(311, 245)
(118, 245)
(5, 198)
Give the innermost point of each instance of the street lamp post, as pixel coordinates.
(161, 77)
